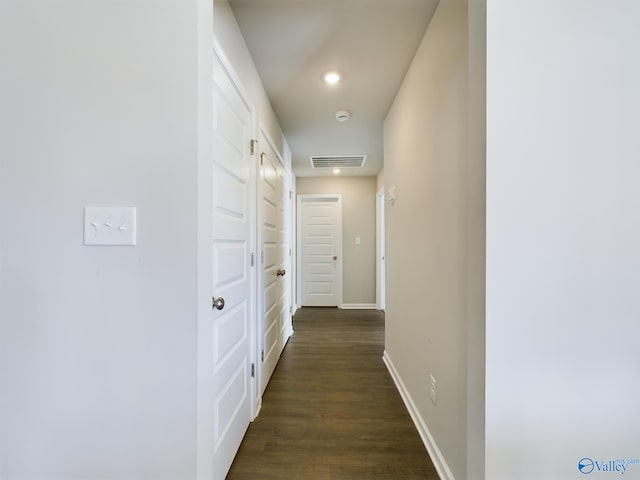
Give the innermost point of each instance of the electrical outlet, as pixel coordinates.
(432, 389)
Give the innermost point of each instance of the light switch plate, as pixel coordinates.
(109, 226)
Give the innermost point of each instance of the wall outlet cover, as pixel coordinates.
(432, 389)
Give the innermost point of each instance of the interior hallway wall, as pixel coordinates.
(98, 107)
(358, 220)
(227, 32)
(563, 238)
(380, 180)
(434, 158)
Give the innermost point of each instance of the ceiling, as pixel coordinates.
(370, 42)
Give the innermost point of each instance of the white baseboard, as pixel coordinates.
(359, 306)
(288, 333)
(258, 407)
(434, 452)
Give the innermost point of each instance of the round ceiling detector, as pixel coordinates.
(343, 115)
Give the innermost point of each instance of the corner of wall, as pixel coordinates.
(380, 180)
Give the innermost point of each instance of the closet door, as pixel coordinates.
(226, 345)
(275, 219)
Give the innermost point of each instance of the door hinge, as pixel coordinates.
(253, 259)
(252, 146)
(253, 370)
(290, 194)
(262, 158)
(289, 252)
(262, 257)
(262, 355)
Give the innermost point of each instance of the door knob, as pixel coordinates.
(335, 258)
(281, 272)
(217, 303)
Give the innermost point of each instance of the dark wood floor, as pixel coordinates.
(331, 411)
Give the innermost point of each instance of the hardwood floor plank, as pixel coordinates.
(331, 410)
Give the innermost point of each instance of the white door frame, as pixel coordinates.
(293, 223)
(380, 250)
(288, 257)
(318, 198)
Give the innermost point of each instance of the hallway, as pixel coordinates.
(331, 410)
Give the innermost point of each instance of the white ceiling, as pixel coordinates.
(370, 42)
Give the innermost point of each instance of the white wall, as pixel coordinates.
(358, 220)
(434, 158)
(98, 366)
(476, 235)
(228, 33)
(563, 240)
(380, 180)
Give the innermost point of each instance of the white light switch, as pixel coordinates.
(109, 226)
(357, 240)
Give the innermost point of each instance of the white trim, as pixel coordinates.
(359, 306)
(259, 266)
(293, 291)
(318, 197)
(204, 435)
(258, 406)
(380, 250)
(267, 137)
(434, 452)
(237, 83)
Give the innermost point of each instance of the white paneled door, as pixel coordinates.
(276, 318)
(320, 250)
(227, 400)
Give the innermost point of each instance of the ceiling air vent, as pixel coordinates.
(337, 161)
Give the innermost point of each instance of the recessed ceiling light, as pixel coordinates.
(336, 171)
(331, 78)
